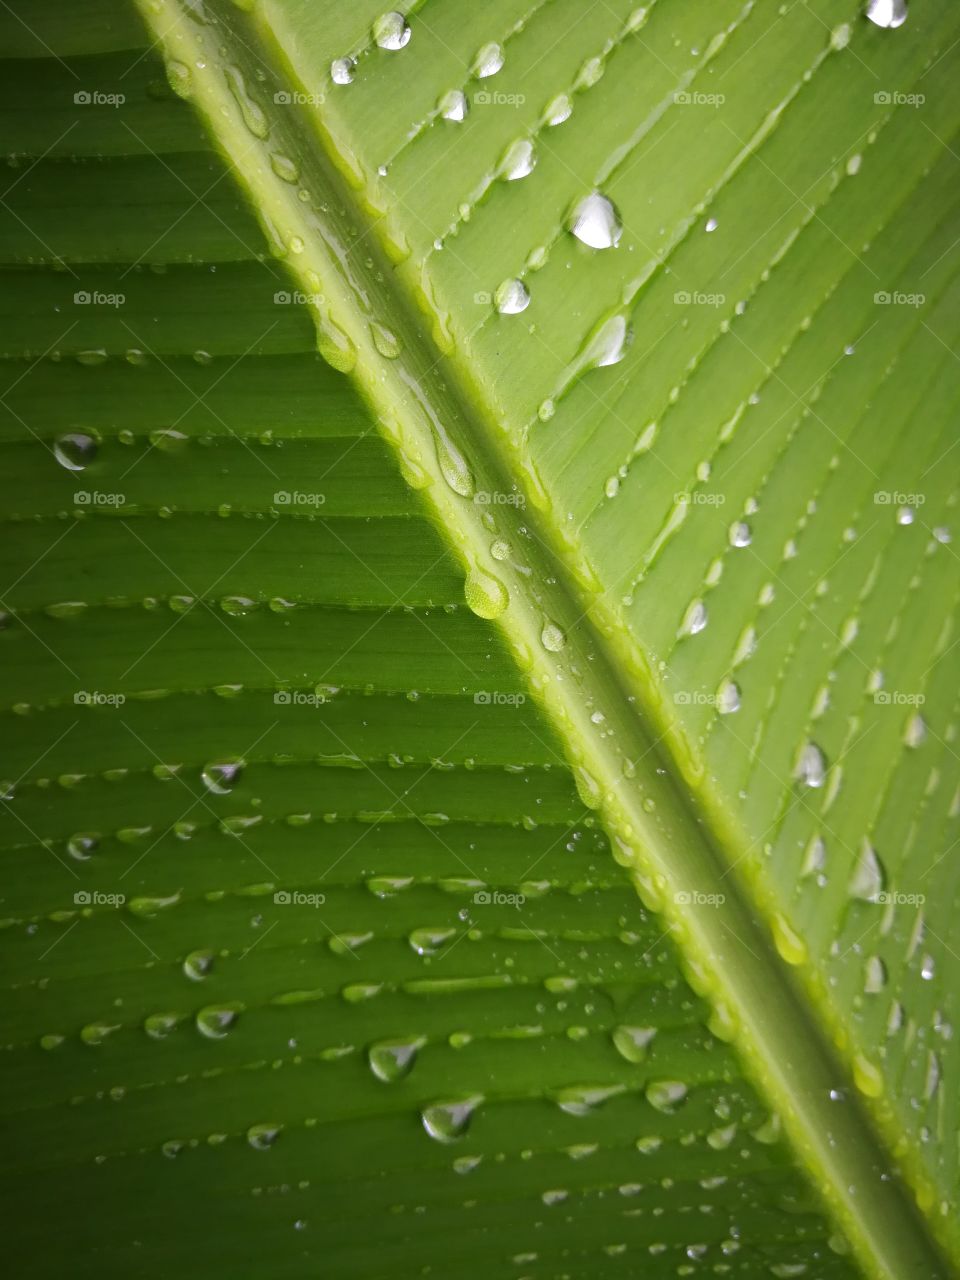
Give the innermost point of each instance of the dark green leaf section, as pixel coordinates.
(241, 691)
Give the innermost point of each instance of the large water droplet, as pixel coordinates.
(887, 13)
(428, 941)
(453, 106)
(262, 1136)
(221, 778)
(694, 620)
(391, 31)
(595, 222)
(728, 698)
(250, 110)
(448, 1121)
(552, 637)
(488, 61)
(216, 1020)
(341, 70)
(75, 450)
(666, 1095)
(486, 596)
(517, 161)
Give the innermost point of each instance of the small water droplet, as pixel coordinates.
(517, 161)
(429, 941)
(262, 1136)
(558, 110)
(739, 534)
(728, 698)
(221, 778)
(632, 1043)
(666, 1095)
(552, 637)
(867, 879)
(454, 106)
(392, 1059)
(694, 620)
(198, 965)
(811, 767)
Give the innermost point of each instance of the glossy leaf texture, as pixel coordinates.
(479, 629)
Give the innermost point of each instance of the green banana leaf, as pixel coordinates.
(479, 629)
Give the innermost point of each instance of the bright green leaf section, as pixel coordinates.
(199, 1076)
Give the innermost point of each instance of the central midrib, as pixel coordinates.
(654, 826)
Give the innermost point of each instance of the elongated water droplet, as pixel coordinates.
(221, 778)
(453, 106)
(552, 637)
(558, 110)
(488, 61)
(250, 110)
(216, 1020)
(915, 734)
(728, 698)
(391, 31)
(385, 340)
(694, 620)
(887, 13)
(867, 879)
(428, 941)
(453, 465)
(811, 767)
(595, 222)
(448, 1121)
(875, 976)
(581, 1099)
(262, 1136)
(511, 297)
(485, 594)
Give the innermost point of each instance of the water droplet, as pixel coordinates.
(633, 1042)
(915, 734)
(694, 620)
(250, 110)
(606, 345)
(179, 78)
(887, 13)
(285, 168)
(811, 767)
(75, 450)
(82, 845)
(262, 1136)
(448, 1121)
(728, 698)
(488, 61)
(511, 297)
(385, 340)
(486, 596)
(739, 534)
(928, 969)
(216, 1020)
(711, 224)
(392, 1059)
(198, 965)
(517, 161)
(666, 1095)
(341, 70)
(905, 515)
(552, 637)
(453, 465)
(558, 110)
(867, 1076)
(789, 943)
(875, 976)
(391, 31)
(867, 879)
(221, 778)
(453, 105)
(428, 941)
(595, 222)
(581, 1099)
